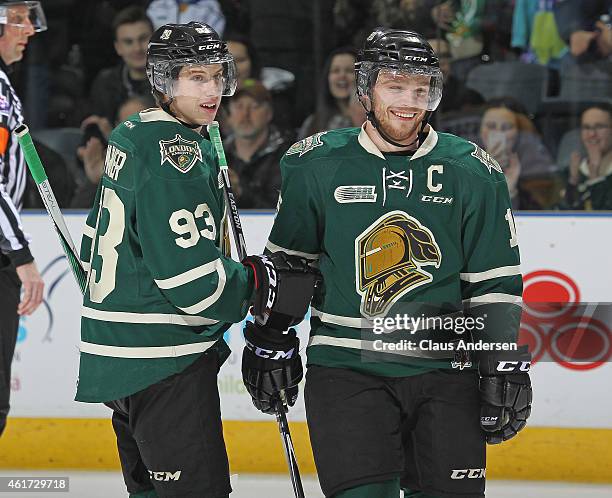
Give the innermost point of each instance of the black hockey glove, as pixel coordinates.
(505, 393)
(284, 286)
(271, 366)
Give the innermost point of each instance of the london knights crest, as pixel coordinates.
(180, 153)
(307, 144)
(390, 255)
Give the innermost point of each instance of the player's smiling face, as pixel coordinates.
(197, 93)
(400, 103)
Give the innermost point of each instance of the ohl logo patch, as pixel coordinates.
(389, 257)
(180, 153)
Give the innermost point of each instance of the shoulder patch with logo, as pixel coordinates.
(485, 158)
(180, 153)
(307, 144)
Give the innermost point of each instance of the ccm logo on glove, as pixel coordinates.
(512, 366)
(270, 354)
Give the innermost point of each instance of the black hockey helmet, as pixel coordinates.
(400, 50)
(173, 46)
(12, 17)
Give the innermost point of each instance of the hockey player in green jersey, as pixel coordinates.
(412, 231)
(161, 287)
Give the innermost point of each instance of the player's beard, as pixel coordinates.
(396, 130)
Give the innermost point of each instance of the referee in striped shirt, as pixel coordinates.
(18, 21)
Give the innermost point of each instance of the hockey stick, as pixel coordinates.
(215, 138)
(46, 193)
(281, 418)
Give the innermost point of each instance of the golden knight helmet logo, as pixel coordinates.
(390, 255)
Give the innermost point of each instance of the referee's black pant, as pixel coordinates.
(10, 287)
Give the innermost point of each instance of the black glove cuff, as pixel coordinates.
(266, 281)
(505, 362)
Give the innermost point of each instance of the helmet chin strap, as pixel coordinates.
(420, 135)
(166, 107)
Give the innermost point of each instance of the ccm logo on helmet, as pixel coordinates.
(510, 366)
(210, 46)
(468, 473)
(415, 58)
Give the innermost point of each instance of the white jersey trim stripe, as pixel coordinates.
(188, 276)
(342, 342)
(344, 321)
(274, 248)
(89, 231)
(214, 297)
(502, 271)
(145, 352)
(159, 318)
(492, 298)
(363, 323)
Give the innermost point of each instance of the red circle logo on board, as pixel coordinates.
(581, 344)
(549, 295)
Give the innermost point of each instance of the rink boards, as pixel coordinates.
(564, 258)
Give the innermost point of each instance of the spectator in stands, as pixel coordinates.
(589, 184)
(244, 56)
(132, 30)
(511, 138)
(582, 27)
(96, 131)
(354, 19)
(604, 37)
(335, 90)
(294, 36)
(456, 96)
(279, 82)
(255, 148)
(183, 11)
(535, 32)
(59, 175)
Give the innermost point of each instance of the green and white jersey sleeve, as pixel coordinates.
(160, 289)
(298, 226)
(491, 281)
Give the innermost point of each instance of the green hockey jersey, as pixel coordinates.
(399, 238)
(161, 289)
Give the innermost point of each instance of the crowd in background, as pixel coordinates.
(529, 80)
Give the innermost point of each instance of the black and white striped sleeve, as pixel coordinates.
(13, 240)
